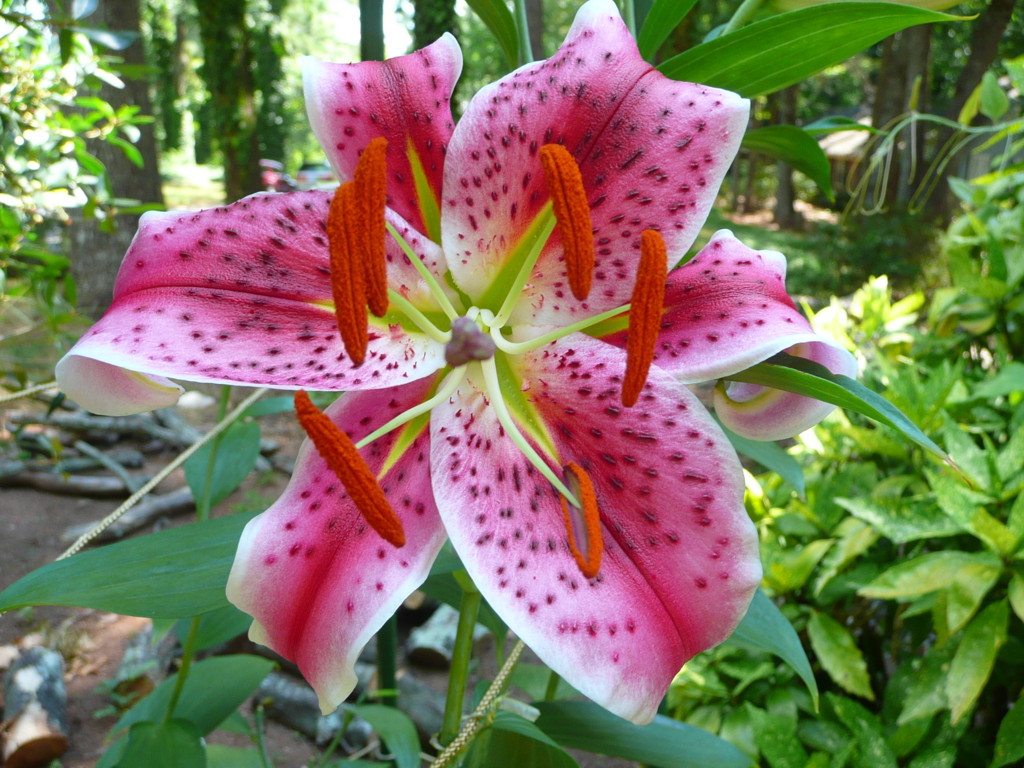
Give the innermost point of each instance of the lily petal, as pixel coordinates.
(318, 581)
(405, 99)
(652, 153)
(679, 563)
(241, 294)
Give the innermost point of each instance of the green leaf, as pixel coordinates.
(772, 457)
(664, 743)
(765, 628)
(214, 689)
(1015, 593)
(236, 454)
(796, 147)
(975, 658)
(867, 731)
(964, 506)
(396, 730)
(836, 123)
(901, 521)
(779, 51)
(805, 377)
(664, 16)
(222, 756)
(512, 735)
(170, 574)
(130, 150)
(444, 587)
(969, 586)
(1010, 379)
(1010, 739)
(994, 101)
(927, 573)
(498, 18)
(215, 627)
(839, 655)
(175, 744)
(776, 738)
(926, 691)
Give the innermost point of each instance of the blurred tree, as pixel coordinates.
(371, 30)
(97, 247)
(431, 19)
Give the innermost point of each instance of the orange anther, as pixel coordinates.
(585, 531)
(344, 459)
(348, 284)
(645, 311)
(572, 212)
(371, 196)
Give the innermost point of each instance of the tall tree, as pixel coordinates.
(96, 253)
(228, 73)
(431, 19)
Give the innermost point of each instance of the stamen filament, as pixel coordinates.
(520, 347)
(344, 459)
(422, 321)
(454, 380)
(347, 280)
(428, 277)
(516, 289)
(493, 387)
(589, 562)
(371, 198)
(572, 211)
(646, 307)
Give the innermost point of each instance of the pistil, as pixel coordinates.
(646, 307)
(572, 211)
(344, 459)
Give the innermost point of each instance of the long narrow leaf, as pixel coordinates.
(498, 18)
(787, 48)
(805, 377)
(794, 146)
(663, 17)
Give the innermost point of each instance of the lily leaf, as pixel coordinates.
(662, 18)
(839, 655)
(664, 743)
(171, 574)
(805, 377)
(765, 628)
(797, 148)
(781, 50)
(771, 456)
(498, 18)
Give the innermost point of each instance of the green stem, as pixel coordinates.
(742, 16)
(387, 666)
(552, 689)
(187, 653)
(629, 16)
(261, 741)
(203, 503)
(462, 652)
(523, 31)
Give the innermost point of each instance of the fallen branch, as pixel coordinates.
(126, 457)
(71, 485)
(145, 512)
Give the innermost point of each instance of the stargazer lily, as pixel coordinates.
(520, 384)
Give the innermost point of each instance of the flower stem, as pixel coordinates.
(387, 651)
(26, 392)
(462, 652)
(552, 689)
(203, 503)
(742, 15)
(479, 719)
(188, 651)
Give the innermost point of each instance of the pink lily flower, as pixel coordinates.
(522, 386)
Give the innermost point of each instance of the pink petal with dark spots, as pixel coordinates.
(318, 581)
(241, 294)
(652, 153)
(680, 560)
(405, 99)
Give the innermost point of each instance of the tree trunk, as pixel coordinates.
(95, 254)
(227, 71)
(786, 215)
(984, 48)
(535, 25)
(431, 19)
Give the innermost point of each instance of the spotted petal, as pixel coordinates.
(652, 153)
(727, 310)
(241, 294)
(680, 556)
(405, 99)
(318, 581)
